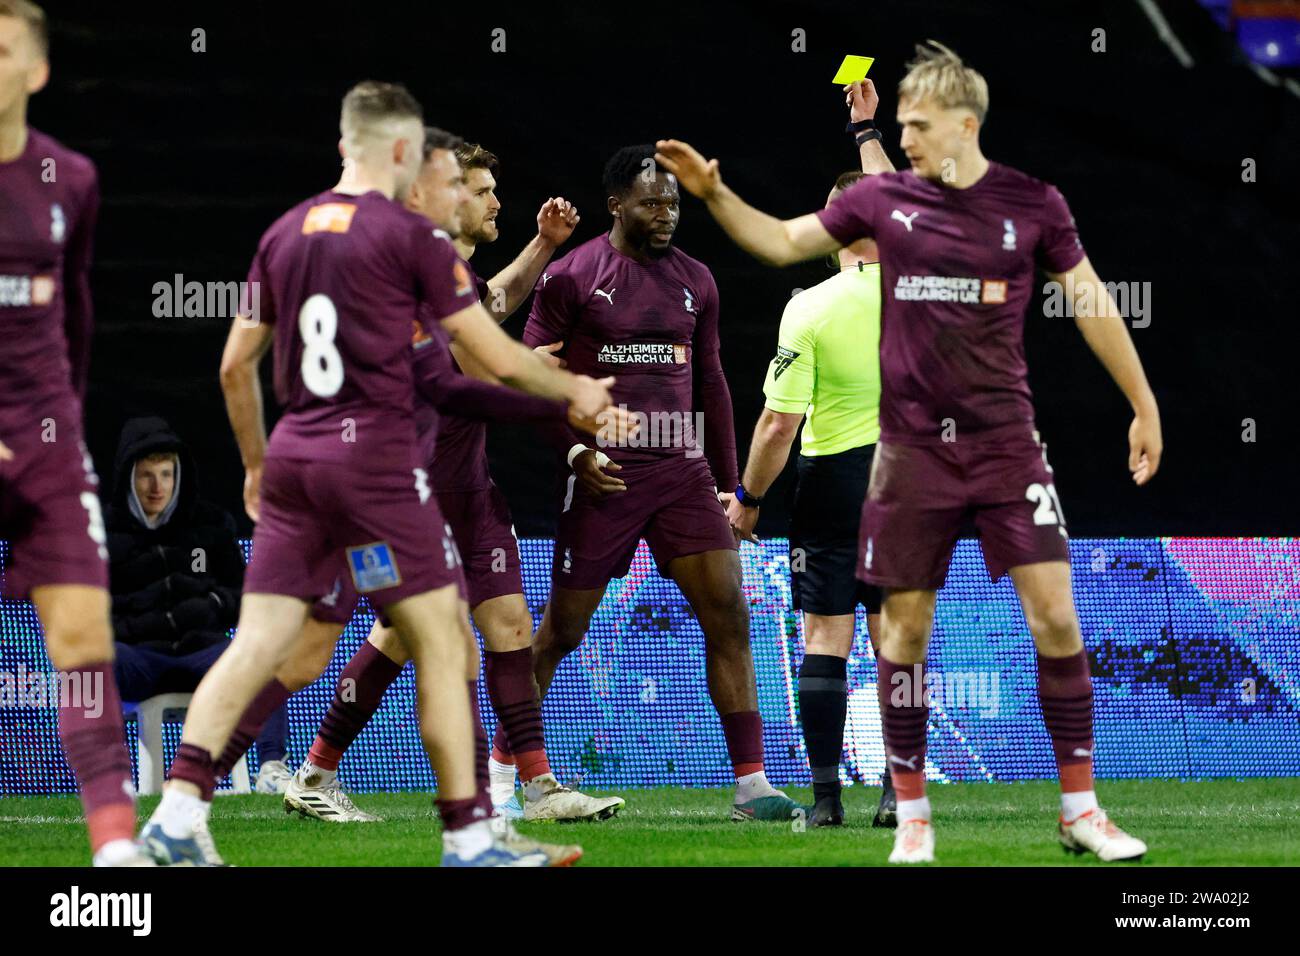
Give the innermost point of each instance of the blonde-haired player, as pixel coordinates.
(960, 238)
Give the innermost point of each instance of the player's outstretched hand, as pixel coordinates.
(253, 492)
(741, 519)
(698, 176)
(557, 220)
(5, 453)
(591, 466)
(547, 352)
(862, 99)
(588, 397)
(613, 426)
(1145, 446)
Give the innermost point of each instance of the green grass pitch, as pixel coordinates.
(1249, 822)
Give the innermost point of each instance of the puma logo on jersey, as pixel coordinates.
(608, 295)
(905, 220)
(909, 763)
(783, 360)
(545, 276)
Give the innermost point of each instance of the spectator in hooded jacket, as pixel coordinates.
(176, 570)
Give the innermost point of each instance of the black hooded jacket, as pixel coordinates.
(175, 587)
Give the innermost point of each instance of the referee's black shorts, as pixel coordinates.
(824, 533)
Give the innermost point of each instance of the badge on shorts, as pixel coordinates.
(373, 567)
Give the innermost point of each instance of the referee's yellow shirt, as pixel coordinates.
(827, 363)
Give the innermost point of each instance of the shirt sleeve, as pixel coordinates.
(792, 373)
(1059, 249)
(255, 298)
(78, 309)
(555, 308)
(444, 281)
(852, 215)
(452, 392)
(713, 395)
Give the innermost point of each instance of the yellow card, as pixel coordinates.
(853, 69)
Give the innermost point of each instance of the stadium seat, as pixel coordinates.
(149, 716)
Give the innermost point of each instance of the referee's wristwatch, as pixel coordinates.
(746, 499)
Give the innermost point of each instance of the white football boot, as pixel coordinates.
(913, 842)
(273, 777)
(328, 803)
(1093, 832)
(546, 799)
(557, 854)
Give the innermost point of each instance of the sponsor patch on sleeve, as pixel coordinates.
(329, 217)
(784, 359)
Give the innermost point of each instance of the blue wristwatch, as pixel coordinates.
(746, 499)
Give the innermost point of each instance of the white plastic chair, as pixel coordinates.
(149, 717)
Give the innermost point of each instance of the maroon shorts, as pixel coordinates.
(383, 525)
(920, 496)
(50, 514)
(481, 524)
(339, 604)
(672, 503)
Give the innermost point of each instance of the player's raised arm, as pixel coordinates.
(1104, 329)
(770, 240)
(555, 224)
(245, 346)
(862, 101)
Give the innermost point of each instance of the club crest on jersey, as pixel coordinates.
(690, 301)
(784, 358)
(1008, 235)
(58, 225)
(373, 567)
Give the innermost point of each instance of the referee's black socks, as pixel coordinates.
(823, 705)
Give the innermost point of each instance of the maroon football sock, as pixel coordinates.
(903, 717)
(513, 692)
(268, 700)
(743, 731)
(1065, 695)
(480, 741)
(361, 688)
(461, 813)
(193, 765)
(93, 736)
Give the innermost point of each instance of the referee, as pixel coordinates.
(826, 373)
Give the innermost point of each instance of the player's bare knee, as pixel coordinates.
(1054, 625)
(388, 642)
(75, 645)
(568, 635)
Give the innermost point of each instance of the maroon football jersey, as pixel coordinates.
(460, 461)
(347, 280)
(654, 326)
(49, 201)
(957, 273)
